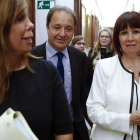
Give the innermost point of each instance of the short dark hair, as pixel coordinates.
(60, 8)
(131, 19)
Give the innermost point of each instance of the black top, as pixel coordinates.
(103, 52)
(41, 98)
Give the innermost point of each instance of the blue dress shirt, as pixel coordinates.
(51, 56)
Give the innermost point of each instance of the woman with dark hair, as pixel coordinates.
(113, 103)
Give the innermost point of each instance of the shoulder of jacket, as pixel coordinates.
(108, 62)
(73, 49)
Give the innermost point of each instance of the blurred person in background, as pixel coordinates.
(79, 43)
(103, 47)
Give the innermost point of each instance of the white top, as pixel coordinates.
(108, 103)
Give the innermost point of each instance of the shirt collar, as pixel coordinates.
(51, 51)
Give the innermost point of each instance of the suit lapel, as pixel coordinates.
(74, 69)
(41, 50)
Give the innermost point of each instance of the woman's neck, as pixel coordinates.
(16, 63)
(132, 63)
(134, 59)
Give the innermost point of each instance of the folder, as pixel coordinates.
(13, 126)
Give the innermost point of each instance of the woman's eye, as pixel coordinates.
(123, 33)
(21, 17)
(136, 31)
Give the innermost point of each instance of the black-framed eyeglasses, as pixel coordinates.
(81, 43)
(104, 36)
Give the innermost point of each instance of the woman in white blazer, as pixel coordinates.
(114, 100)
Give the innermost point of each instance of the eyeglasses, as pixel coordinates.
(104, 36)
(81, 43)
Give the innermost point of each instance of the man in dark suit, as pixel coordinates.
(61, 22)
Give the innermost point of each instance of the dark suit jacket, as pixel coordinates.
(78, 64)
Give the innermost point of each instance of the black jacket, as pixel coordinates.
(78, 62)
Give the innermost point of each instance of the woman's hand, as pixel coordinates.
(135, 118)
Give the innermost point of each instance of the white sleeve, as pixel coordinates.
(96, 105)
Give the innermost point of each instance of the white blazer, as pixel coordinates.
(108, 104)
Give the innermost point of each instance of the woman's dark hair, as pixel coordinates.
(131, 19)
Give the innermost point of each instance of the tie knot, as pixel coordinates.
(60, 55)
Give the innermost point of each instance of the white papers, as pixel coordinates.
(22, 128)
(13, 126)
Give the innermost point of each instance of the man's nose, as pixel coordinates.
(62, 32)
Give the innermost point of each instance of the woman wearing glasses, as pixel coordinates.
(114, 100)
(78, 42)
(103, 48)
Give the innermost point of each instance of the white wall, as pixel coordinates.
(68, 3)
(133, 5)
(91, 8)
(40, 19)
(110, 10)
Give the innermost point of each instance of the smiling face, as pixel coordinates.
(105, 39)
(60, 30)
(130, 41)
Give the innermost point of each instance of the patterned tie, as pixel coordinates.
(60, 66)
